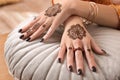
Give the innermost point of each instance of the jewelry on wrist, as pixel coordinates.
(93, 11)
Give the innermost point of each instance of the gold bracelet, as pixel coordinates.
(86, 20)
(94, 10)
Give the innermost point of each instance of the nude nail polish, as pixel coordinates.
(20, 30)
(59, 60)
(28, 39)
(70, 68)
(80, 72)
(94, 69)
(42, 40)
(21, 36)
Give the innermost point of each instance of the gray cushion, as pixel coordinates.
(37, 60)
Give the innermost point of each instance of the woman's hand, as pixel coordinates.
(49, 20)
(78, 42)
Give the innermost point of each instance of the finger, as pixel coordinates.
(96, 48)
(59, 19)
(70, 57)
(78, 56)
(79, 62)
(41, 30)
(61, 53)
(90, 57)
(25, 28)
(30, 31)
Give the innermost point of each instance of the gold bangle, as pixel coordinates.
(94, 10)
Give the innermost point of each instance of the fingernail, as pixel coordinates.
(94, 69)
(20, 30)
(21, 36)
(59, 60)
(80, 72)
(28, 39)
(42, 40)
(34, 18)
(70, 68)
(104, 51)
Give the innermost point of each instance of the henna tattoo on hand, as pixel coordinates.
(29, 32)
(76, 31)
(52, 11)
(36, 26)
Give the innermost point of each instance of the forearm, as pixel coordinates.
(106, 15)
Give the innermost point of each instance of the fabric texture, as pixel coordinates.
(38, 61)
(3, 2)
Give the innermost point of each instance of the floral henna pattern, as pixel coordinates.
(52, 11)
(76, 31)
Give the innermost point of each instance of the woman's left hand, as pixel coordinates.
(49, 20)
(76, 43)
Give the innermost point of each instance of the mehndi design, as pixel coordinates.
(52, 11)
(36, 26)
(76, 31)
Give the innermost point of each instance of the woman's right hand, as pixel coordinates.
(48, 21)
(78, 42)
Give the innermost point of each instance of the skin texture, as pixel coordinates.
(87, 44)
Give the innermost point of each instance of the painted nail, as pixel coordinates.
(94, 69)
(59, 60)
(70, 68)
(34, 18)
(28, 39)
(42, 40)
(20, 30)
(104, 51)
(21, 36)
(80, 72)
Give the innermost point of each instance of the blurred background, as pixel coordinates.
(12, 12)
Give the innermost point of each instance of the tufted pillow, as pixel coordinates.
(37, 60)
(3, 2)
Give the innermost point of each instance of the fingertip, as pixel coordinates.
(94, 69)
(21, 37)
(20, 30)
(59, 60)
(70, 68)
(105, 53)
(28, 39)
(80, 72)
(42, 39)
